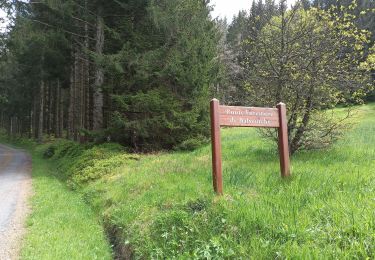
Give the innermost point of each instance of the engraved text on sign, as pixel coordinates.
(249, 116)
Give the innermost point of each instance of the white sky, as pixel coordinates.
(229, 8)
(2, 15)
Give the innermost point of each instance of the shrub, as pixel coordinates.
(90, 163)
(49, 152)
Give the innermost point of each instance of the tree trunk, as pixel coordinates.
(35, 116)
(41, 106)
(57, 109)
(50, 110)
(77, 86)
(82, 96)
(70, 132)
(31, 130)
(11, 127)
(282, 58)
(2, 119)
(46, 109)
(99, 77)
(61, 115)
(87, 75)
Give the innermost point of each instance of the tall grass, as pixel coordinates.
(61, 225)
(162, 205)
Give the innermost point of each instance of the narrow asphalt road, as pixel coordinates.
(15, 188)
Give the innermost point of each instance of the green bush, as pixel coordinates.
(80, 164)
(88, 169)
(84, 164)
(49, 152)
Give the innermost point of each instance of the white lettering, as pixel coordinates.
(248, 112)
(248, 121)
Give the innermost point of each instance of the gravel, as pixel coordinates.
(15, 189)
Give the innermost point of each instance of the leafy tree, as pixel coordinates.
(308, 59)
(363, 10)
(245, 26)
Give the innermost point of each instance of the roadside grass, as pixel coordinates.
(165, 207)
(61, 225)
(162, 206)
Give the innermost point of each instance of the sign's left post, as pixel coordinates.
(217, 174)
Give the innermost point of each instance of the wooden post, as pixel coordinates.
(283, 141)
(216, 147)
(235, 116)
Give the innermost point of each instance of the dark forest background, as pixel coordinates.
(142, 72)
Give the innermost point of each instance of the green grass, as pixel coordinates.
(162, 205)
(61, 225)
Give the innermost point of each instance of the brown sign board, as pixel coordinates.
(233, 116)
(249, 116)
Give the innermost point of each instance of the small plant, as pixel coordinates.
(197, 205)
(49, 152)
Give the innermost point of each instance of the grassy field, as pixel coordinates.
(61, 225)
(162, 205)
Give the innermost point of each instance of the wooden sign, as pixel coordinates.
(247, 117)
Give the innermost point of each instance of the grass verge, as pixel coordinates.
(162, 206)
(61, 225)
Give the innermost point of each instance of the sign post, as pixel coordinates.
(217, 175)
(283, 141)
(233, 116)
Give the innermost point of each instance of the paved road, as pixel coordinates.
(15, 187)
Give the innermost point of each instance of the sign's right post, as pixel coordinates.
(283, 141)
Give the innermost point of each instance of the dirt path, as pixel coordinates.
(15, 188)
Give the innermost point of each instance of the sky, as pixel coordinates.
(229, 8)
(2, 15)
